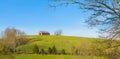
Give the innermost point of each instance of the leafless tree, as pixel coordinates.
(105, 14)
(11, 39)
(58, 33)
(106, 17)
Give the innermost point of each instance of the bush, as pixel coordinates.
(49, 50)
(63, 51)
(36, 49)
(54, 50)
(107, 48)
(43, 51)
(21, 41)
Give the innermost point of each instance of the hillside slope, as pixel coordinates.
(60, 42)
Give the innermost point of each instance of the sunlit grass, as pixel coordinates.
(36, 56)
(61, 42)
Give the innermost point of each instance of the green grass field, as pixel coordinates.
(33, 56)
(61, 42)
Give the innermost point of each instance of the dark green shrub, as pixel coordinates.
(54, 50)
(63, 51)
(42, 51)
(49, 50)
(36, 49)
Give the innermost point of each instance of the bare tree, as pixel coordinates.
(105, 14)
(11, 39)
(106, 17)
(58, 33)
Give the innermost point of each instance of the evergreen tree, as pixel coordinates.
(49, 50)
(54, 50)
(43, 51)
(63, 51)
(36, 49)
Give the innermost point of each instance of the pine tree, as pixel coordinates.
(63, 51)
(36, 49)
(49, 50)
(54, 50)
(43, 51)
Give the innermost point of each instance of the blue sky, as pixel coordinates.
(33, 16)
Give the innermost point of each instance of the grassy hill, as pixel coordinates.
(60, 42)
(70, 44)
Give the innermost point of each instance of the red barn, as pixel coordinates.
(44, 33)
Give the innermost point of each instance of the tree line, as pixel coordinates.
(53, 50)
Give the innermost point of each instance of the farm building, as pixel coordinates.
(44, 33)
